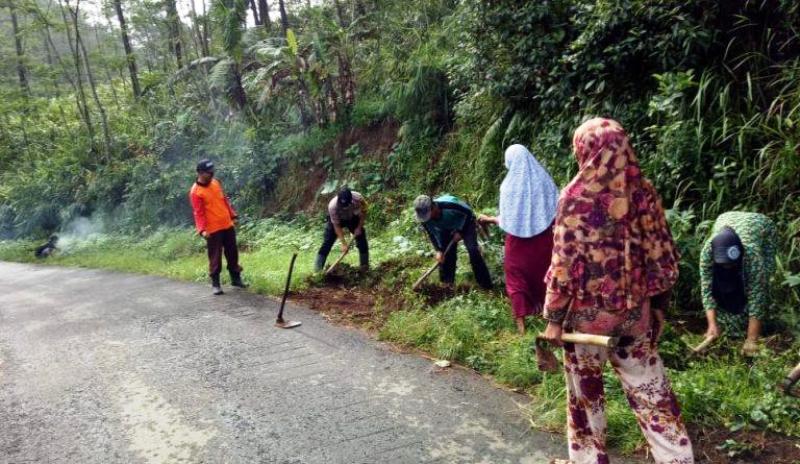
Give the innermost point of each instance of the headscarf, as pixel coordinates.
(528, 195)
(612, 245)
(727, 282)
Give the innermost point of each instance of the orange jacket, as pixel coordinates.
(212, 209)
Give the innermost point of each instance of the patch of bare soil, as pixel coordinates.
(721, 446)
(352, 297)
(376, 140)
(340, 304)
(435, 293)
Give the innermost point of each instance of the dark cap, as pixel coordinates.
(345, 197)
(205, 166)
(727, 247)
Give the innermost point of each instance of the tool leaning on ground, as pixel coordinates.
(546, 360)
(434, 267)
(340, 258)
(279, 322)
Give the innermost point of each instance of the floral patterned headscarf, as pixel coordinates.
(612, 245)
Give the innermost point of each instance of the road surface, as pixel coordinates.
(103, 367)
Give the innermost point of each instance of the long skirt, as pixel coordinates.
(638, 365)
(525, 264)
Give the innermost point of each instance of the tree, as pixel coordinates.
(284, 18)
(263, 8)
(81, 50)
(174, 25)
(130, 59)
(226, 75)
(21, 70)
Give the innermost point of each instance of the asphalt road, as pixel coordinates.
(102, 367)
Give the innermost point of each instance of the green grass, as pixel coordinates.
(473, 328)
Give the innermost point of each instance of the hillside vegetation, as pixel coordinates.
(294, 99)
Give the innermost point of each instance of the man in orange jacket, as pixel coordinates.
(214, 218)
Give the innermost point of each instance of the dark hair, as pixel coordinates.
(345, 197)
(205, 165)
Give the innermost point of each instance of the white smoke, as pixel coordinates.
(79, 231)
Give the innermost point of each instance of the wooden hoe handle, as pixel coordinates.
(339, 260)
(434, 267)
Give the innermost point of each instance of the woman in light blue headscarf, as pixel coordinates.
(528, 198)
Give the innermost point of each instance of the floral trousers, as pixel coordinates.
(641, 371)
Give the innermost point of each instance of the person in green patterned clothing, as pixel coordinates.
(736, 263)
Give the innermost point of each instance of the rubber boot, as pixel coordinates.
(363, 261)
(216, 288)
(319, 263)
(236, 280)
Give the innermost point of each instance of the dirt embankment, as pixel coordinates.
(300, 183)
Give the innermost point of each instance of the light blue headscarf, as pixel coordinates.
(528, 195)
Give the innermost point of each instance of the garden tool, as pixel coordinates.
(340, 258)
(699, 349)
(788, 384)
(546, 360)
(279, 322)
(434, 267)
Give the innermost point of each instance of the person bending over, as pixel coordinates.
(736, 263)
(347, 210)
(447, 218)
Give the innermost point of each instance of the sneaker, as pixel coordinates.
(217, 290)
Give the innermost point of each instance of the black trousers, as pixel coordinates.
(217, 243)
(447, 271)
(329, 238)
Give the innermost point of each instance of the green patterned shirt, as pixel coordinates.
(758, 235)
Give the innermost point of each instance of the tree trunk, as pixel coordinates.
(284, 18)
(129, 56)
(22, 73)
(83, 107)
(174, 31)
(50, 67)
(206, 31)
(238, 90)
(254, 10)
(64, 69)
(340, 13)
(263, 8)
(90, 76)
(106, 71)
(346, 81)
(196, 30)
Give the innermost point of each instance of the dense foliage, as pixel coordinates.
(397, 98)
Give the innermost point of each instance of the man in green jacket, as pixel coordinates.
(447, 218)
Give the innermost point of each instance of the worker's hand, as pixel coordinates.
(345, 246)
(456, 237)
(204, 234)
(358, 231)
(485, 220)
(553, 333)
(439, 257)
(712, 332)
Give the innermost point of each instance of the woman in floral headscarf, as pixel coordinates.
(613, 266)
(528, 198)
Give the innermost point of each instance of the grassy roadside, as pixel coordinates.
(472, 327)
